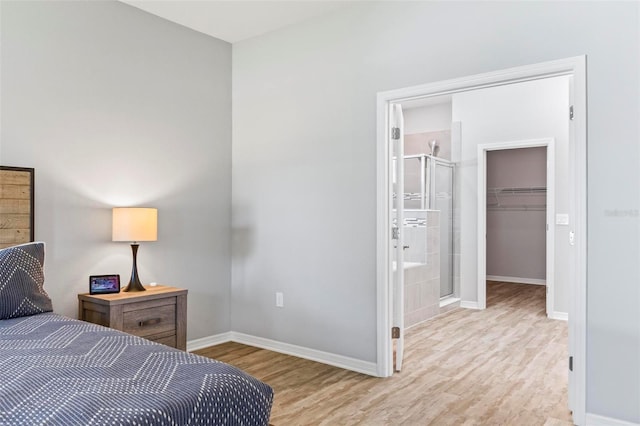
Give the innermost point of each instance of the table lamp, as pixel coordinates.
(134, 224)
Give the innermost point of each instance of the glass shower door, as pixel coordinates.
(442, 197)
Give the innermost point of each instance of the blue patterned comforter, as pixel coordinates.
(59, 371)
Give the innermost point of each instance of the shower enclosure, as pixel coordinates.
(428, 185)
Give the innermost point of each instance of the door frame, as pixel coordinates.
(397, 308)
(549, 144)
(574, 67)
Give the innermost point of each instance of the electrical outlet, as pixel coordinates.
(279, 300)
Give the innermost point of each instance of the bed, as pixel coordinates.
(56, 370)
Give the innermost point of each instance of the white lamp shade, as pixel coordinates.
(135, 224)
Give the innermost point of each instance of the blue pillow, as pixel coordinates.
(22, 281)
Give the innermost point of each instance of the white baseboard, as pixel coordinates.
(516, 280)
(359, 366)
(204, 342)
(364, 367)
(562, 316)
(596, 420)
(468, 304)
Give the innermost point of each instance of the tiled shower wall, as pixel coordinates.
(418, 143)
(422, 282)
(449, 141)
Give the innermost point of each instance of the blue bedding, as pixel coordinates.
(59, 371)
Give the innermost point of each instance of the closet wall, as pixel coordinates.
(516, 215)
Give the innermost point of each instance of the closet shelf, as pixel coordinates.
(524, 208)
(506, 199)
(530, 190)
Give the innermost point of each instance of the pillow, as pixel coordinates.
(22, 280)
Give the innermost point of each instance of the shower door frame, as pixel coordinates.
(427, 202)
(574, 67)
(435, 161)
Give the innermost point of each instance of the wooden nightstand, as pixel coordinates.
(158, 314)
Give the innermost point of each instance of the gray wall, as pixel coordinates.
(304, 164)
(516, 112)
(516, 239)
(90, 88)
(116, 107)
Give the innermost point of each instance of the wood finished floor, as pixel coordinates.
(506, 365)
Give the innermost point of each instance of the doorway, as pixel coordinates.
(575, 68)
(521, 197)
(423, 196)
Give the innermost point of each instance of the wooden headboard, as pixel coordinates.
(16, 205)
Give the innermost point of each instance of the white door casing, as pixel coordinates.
(574, 67)
(396, 143)
(549, 143)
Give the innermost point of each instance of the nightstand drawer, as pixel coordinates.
(158, 314)
(150, 320)
(169, 340)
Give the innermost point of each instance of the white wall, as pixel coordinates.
(304, 164)
(531, 110)
(430, 118)
(116, 107)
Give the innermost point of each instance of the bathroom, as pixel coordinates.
(431, 255)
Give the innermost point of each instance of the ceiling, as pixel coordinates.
(237, 20)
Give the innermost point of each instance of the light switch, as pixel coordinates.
(562, 219)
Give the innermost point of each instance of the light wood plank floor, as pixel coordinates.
(506, 365)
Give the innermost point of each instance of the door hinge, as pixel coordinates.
(571, 112)
(395, 133)
(394, 233)
(570, 363)
(395, 332)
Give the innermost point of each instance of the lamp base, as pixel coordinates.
(134, 282)
(133, 287)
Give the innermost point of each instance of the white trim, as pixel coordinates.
(383, 273)
(396, 145)
(205, 342)
(576, 68)
(449, 300)
(596, 420)
(551, 227)
(516, 280)
(561, 316)
(468, 304)
(578, 256)
(364, 367)
(549, 143)
(359, 366)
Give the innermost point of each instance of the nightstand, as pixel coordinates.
(158, 314)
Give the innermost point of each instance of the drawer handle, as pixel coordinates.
(151, 321)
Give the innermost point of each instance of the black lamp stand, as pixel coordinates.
(134, 282)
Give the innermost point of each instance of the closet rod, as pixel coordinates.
(518, 190)
(517, 208)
